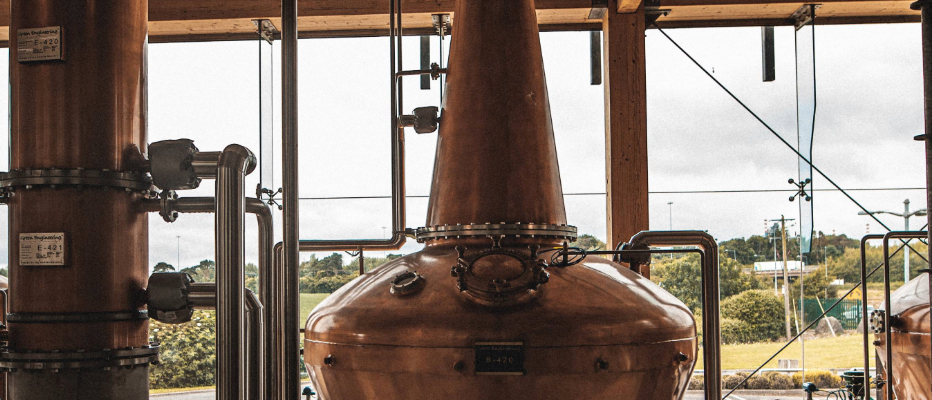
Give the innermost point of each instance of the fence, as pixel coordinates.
(848, 312)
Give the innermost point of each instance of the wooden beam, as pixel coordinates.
(628, 6)
(173, 10)
(625, 81)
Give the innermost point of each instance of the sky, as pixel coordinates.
(869, 108)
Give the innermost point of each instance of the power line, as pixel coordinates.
(777, 135)
(712, 191)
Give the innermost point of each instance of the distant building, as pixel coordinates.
(771, 268)
(778, 266)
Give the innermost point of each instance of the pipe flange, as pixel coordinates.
(562, 231)
(54, 177)
(167, 206)
(76, 317)
(11, 361)
(407, 283)
(877, 324)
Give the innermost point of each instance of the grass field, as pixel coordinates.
(840, 352)
(308, 302)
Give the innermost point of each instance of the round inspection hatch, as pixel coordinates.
(406, 283)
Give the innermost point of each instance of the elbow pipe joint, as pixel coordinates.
(238, 158)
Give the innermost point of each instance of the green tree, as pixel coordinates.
(370, 262)
(739, 249)
(205, 271)
(681, 277)
(847, 266)
(588, 242)
(163, 267)
(816, 285)
(188, 356)
(252, 277)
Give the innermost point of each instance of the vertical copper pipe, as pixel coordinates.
(87, 111)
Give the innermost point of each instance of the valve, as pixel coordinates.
(424, 119)
(170, 163)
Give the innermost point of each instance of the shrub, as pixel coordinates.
(697, 382)
(736, 331)
(822, 379)
(779, 381)
(758, 382)
(187, 352)
(732, 381)
(761, 310)
(324, 283)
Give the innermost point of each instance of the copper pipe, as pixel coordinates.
(711, 331)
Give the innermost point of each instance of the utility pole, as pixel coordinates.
(178, 255)
(906, 214)
(786, 277)
(670, 203)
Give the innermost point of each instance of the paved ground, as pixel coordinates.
(750, 395)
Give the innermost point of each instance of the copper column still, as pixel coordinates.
(78, 236)
(476, 315)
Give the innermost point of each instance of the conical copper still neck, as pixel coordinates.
(496, 158)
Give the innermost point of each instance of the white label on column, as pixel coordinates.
(39, 44)
(42, 249)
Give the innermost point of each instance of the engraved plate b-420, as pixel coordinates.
(39, 44)
(41, 249)
(500, 358)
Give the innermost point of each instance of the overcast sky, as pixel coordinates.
(869, 108)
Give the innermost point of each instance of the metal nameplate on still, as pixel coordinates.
(41, 249)
(500, 358)
(39, 44)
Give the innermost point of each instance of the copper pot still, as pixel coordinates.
(477, 314)
(909, 326)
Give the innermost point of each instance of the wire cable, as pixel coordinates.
(777, 135)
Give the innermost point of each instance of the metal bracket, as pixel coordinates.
(804, 15)
(651, 14)
(801, 189)
(442, 24)
(266, 29)
(599, 7)
(260, 191)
